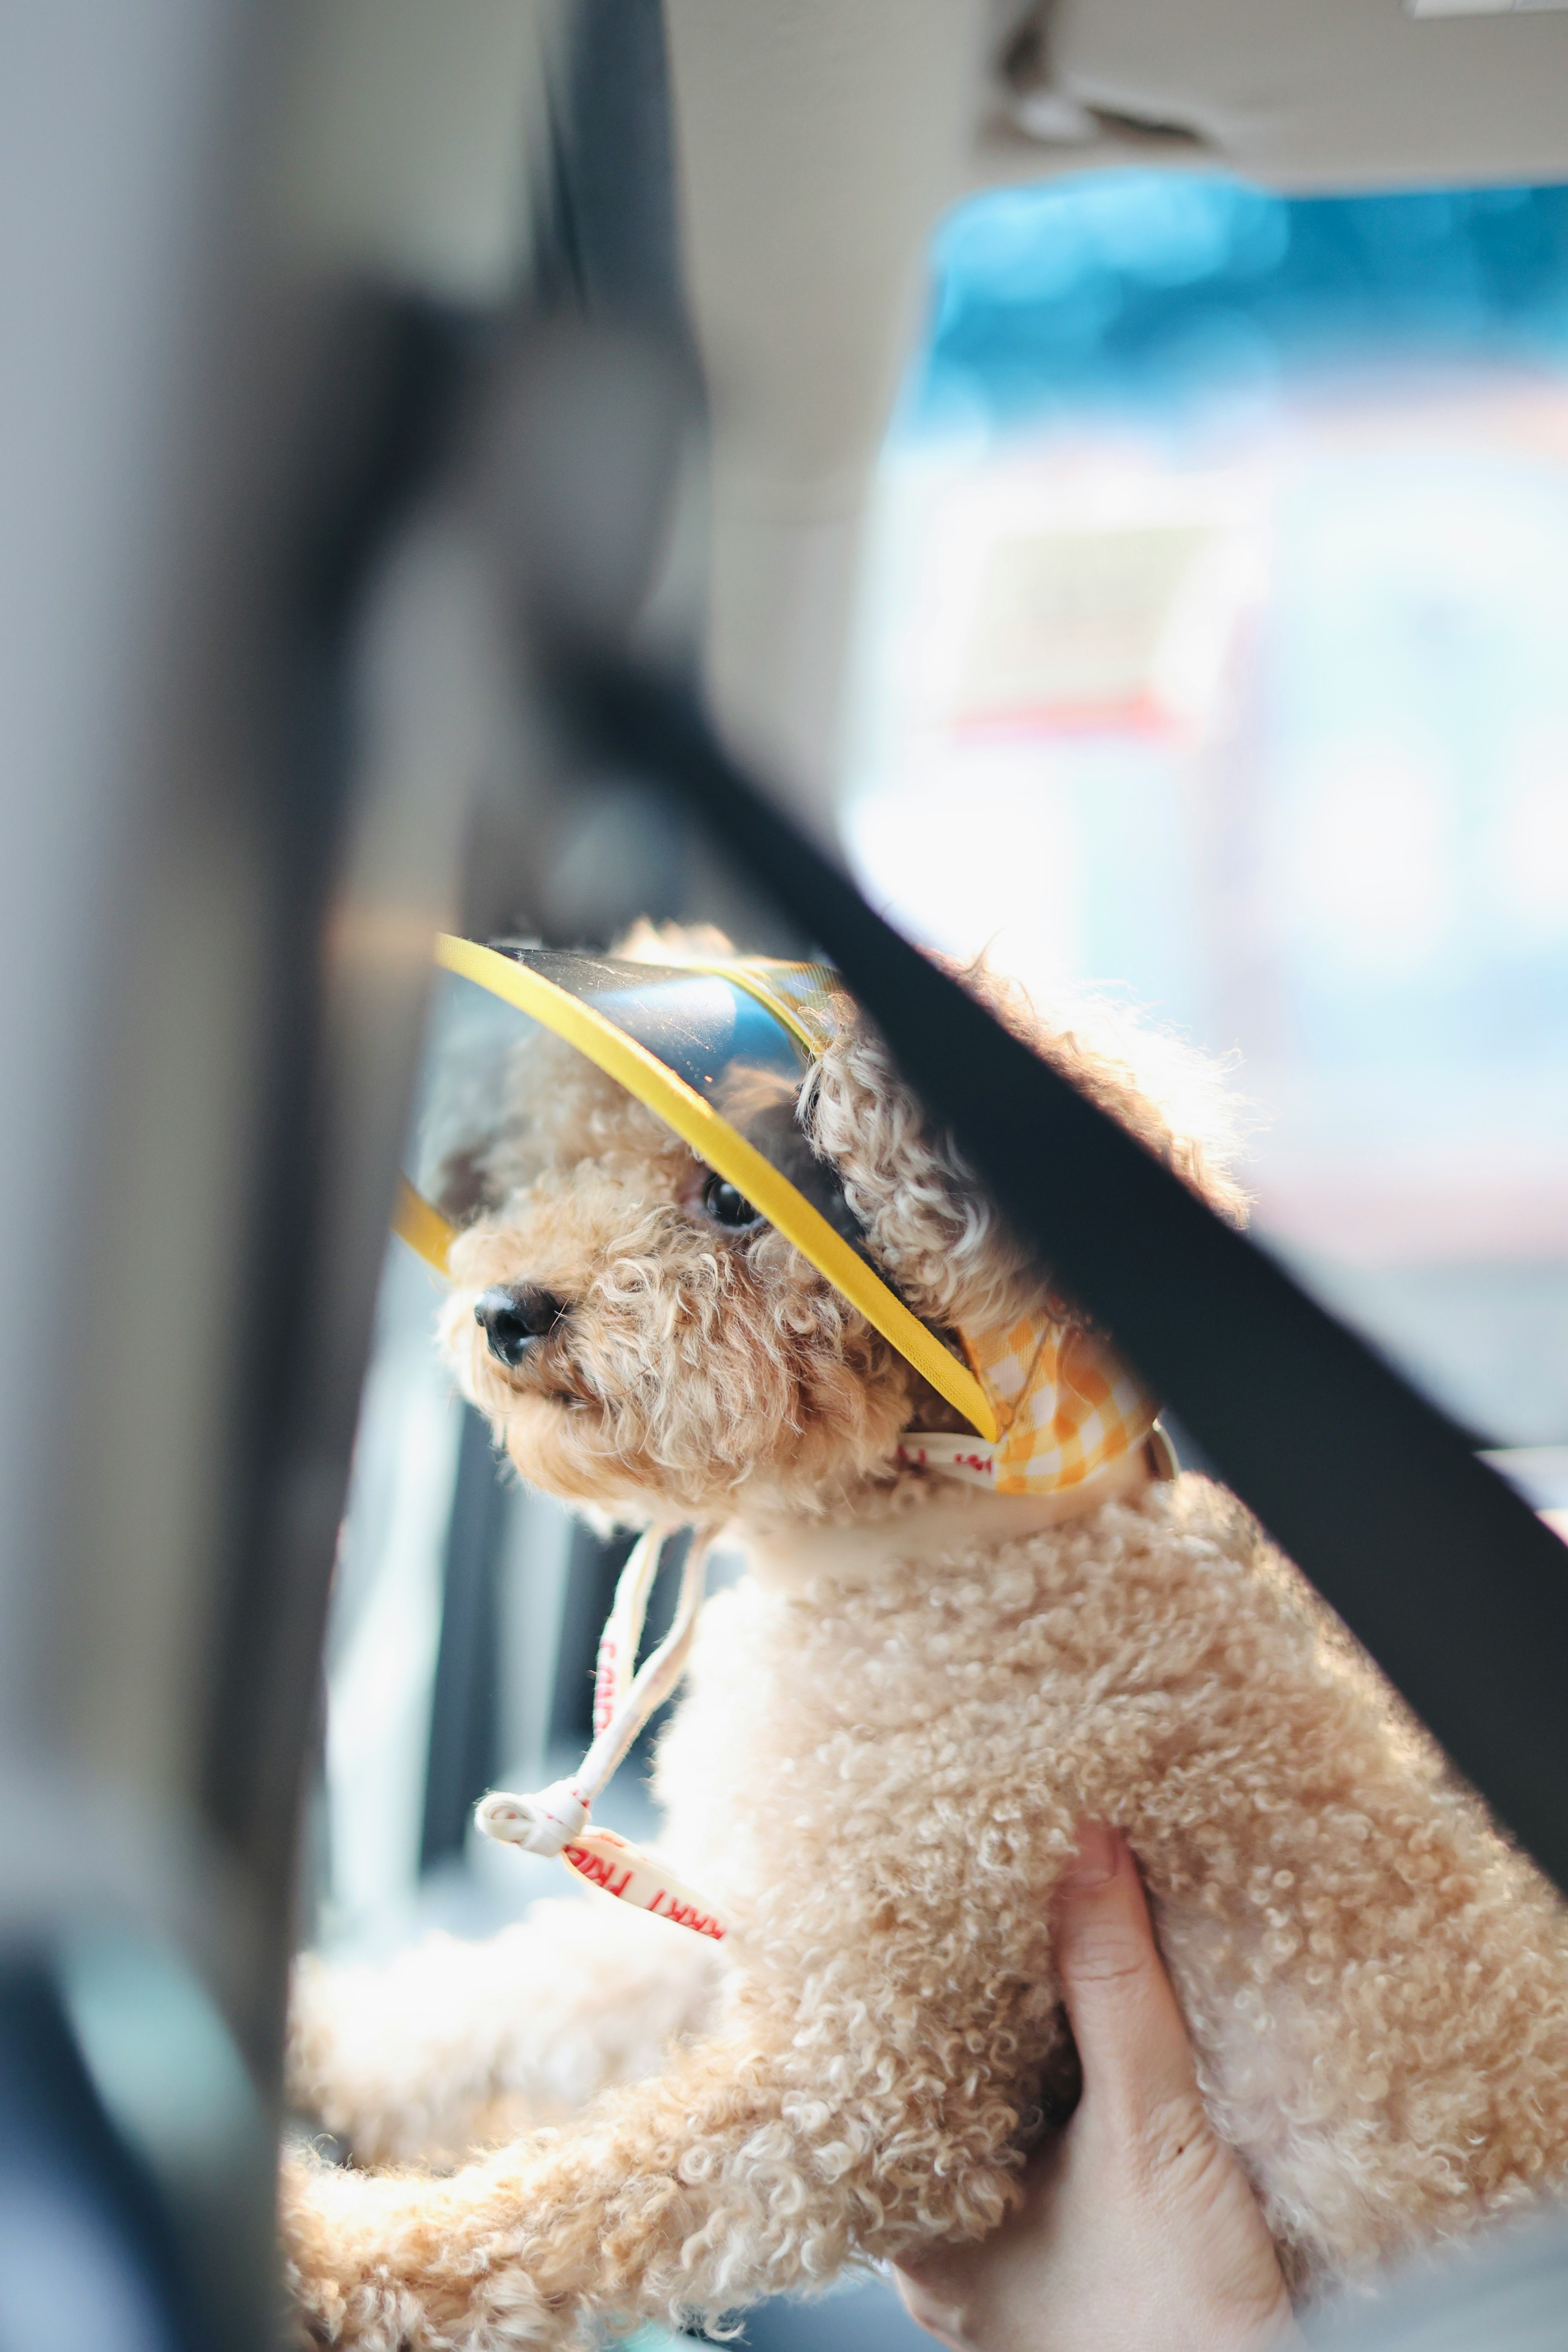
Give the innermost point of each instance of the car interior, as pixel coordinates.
(1081, 482)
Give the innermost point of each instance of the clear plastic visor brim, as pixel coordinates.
(719, 1054)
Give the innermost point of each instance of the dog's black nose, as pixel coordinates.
(512, 1317)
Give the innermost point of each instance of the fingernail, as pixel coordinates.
(1099, 1853)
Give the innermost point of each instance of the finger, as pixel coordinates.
(1131, 2043)
(931, 2309)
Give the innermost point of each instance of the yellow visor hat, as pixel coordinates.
(716, 1050)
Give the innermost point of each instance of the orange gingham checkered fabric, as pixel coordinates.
(1065, 1404)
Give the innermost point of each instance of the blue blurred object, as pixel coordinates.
(87, 2260)
(866, 2317)
(1149, 287)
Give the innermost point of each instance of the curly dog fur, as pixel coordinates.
(890, 1728)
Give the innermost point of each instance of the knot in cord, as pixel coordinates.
(555, 1820)
(545, 1823)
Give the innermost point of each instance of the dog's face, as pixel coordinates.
(640, 1341)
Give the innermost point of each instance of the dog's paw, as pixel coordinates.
(390, 2263)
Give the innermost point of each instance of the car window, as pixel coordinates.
(1211, 656)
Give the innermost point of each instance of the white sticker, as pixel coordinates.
(1482, 7)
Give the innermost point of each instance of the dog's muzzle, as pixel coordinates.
(514, 1316)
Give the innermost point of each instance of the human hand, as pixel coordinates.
(1138, 2231)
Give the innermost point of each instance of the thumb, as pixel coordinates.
(1131, 2043)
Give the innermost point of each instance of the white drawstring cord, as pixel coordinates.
(555, 1820)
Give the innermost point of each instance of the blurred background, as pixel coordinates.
(1105, 462)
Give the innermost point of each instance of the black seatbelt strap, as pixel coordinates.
(1449, 1580)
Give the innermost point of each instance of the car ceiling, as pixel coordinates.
(1341, 94)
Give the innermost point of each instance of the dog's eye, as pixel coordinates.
(727, 1206)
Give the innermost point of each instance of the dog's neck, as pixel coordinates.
(788, 1555)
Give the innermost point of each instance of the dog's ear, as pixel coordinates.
(927, 1220)
(1176, 1098)
(673, 943)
